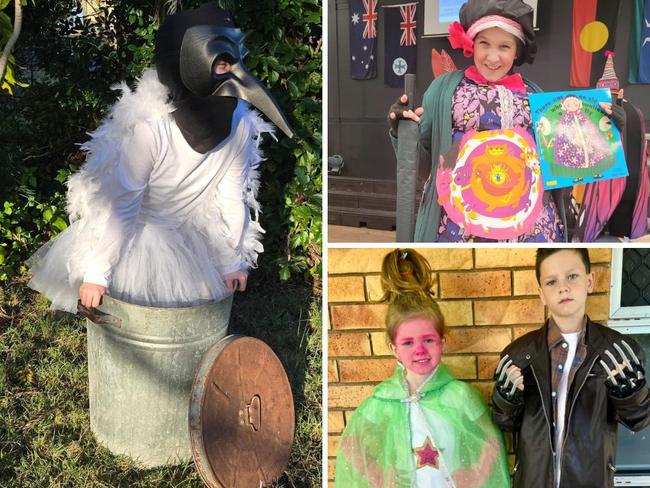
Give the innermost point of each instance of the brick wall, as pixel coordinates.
(488, 297)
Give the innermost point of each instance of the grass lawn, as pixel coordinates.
(45, 438)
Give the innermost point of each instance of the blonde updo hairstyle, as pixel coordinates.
(407, 282)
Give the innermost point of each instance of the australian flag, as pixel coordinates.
(363, 39)
(400, 43)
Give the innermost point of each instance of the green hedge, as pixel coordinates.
(70, 64)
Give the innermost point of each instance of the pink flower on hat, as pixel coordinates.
(459, 39)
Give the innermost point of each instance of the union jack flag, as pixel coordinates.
(370, 17)
(408, 25)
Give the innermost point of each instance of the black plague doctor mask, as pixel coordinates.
(188, 46)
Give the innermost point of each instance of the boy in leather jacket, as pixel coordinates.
(563, 388)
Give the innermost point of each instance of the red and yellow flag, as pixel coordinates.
(594, 29)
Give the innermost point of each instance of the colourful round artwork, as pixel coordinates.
(495, 188)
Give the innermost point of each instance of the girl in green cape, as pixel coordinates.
(421, 427)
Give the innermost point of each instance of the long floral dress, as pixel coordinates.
(477, 106)
(579, 147)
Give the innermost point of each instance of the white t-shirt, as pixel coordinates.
(572, 343)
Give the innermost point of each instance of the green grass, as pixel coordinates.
(45, 438)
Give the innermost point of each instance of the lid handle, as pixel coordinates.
(254, 410)
(98, 317)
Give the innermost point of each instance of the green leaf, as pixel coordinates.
(284, 273)
(302, 213)
(9, 75)
(314, 18)
(294, 91)
(7, 86)
(5, 22)
(273, 62)
(62, 175)
(60, 224)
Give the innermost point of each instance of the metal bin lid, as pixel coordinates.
(242, 418)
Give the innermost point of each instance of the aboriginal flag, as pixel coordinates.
(594, 29)
(400, 43)
(363, 19)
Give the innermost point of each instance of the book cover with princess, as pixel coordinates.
(576, 140)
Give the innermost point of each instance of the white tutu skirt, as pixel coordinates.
(159, 267)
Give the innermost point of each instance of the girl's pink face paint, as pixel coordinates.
(418, 346)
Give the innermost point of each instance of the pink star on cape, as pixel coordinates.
(427, 455)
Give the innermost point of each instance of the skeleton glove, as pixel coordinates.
(505, 384)
(626, 374)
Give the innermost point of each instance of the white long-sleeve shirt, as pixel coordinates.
(161, 180)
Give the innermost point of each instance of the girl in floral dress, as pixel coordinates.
(487, 96)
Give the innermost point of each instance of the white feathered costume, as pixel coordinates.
(156, 222)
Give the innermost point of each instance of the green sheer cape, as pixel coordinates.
(375, 449)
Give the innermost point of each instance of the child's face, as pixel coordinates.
(495, 51)
(565, 284)
(418, 346)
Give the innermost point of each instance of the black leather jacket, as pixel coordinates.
(589, 455)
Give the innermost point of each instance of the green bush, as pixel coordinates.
(70, 63)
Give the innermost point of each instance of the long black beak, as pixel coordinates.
(245, 86)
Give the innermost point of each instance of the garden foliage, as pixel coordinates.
(70, 60)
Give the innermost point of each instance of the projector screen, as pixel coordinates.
(438, 14)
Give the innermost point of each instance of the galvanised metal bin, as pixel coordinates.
(141, 364)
